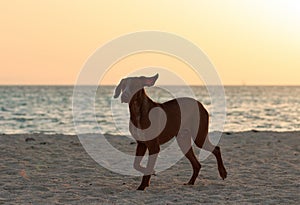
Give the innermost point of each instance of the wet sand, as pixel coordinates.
(263, 167)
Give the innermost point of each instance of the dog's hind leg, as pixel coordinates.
(184, 142)
(221, 168)
(196, 166)
(217, 153)
(202, 141)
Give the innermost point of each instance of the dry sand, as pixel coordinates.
(263, 168)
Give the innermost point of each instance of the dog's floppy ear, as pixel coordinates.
(118, 89)
(149, 81)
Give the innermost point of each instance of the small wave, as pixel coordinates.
(3, 109)
(21, 119)
(49, 109)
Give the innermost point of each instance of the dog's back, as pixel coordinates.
(184, 116)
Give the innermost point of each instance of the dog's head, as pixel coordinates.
(129, 86)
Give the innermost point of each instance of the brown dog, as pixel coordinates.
(181, 117)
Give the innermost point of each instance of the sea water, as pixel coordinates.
(48, 109)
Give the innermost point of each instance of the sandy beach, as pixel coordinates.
(263, 168)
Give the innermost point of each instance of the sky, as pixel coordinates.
(250, 42)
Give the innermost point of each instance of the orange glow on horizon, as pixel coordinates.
(250, 42)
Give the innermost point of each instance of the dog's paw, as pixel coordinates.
(189, 183)
(141, 188)
(223, 173)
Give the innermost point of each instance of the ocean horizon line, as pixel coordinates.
(174, 85)
(225, 132)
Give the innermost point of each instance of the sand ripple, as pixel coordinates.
(263, 167)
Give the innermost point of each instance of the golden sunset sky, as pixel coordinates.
(252, 42)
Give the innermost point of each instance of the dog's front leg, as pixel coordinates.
(153, 153)
(139, 154)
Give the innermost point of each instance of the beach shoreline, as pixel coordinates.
(263, 167)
